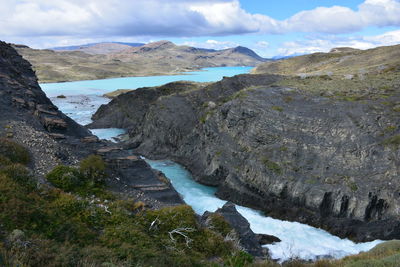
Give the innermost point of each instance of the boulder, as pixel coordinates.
(265, 239)
(248, 240)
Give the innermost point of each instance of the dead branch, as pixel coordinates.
(154, 223)
(180, 231)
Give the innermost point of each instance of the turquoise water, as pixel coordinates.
(298, 240)
(108, 133)
(100, 87)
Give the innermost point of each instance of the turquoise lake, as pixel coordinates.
(100, 87)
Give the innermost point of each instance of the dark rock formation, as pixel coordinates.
(248, 240)
(29, 117)
(295, 155)
(265, 239)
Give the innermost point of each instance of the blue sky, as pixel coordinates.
(280, 9)
(270, 27)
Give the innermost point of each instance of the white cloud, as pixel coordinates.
(262, 44)
(334, 19)
(212, 44)
(388, 38)
(338, 19)
(324, 45)
(96, 19)
(230, 16)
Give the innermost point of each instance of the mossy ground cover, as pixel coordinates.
(370, 87)
(63, 226)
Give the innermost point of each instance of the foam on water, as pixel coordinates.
(298, 240)
(108, 133)
(80, 108)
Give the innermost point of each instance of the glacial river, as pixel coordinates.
(298, 240)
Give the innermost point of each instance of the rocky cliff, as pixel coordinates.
(29, 118)
(317, 157)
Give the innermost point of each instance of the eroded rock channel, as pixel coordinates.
(300, 156)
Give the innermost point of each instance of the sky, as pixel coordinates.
(269, 27)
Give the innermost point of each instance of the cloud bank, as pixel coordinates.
(326, 44)
(180, 18)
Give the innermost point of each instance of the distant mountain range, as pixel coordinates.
(98, 48)
(107, 60)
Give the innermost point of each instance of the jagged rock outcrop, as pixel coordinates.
(294, 154)
(248, 240)
(29, 117)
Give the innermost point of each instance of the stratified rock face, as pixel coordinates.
(22, 98)
(295, 155)
(29, 117)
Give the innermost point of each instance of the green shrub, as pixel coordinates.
(219, 224)
(14, 152)
(4, 161)
(93, 168)
(20, 174)
(277, 108)
(393, 141)
(385, 248)
(18, 206)
(86, 181)
(239, 259)
(271, 165)
(65, 177)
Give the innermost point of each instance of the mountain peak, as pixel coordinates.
(160, 44)
(245, 51)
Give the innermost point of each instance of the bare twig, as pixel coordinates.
(154, 223)
(180, 231)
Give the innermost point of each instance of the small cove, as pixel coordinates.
(298, 240)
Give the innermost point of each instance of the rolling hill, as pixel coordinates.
(109, 60)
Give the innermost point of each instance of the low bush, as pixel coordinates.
(219, 224)
(392, 141)
(86, 180)
(239, 259)
(14, 152)
(65, 177)
(4, 161)
(20, 174)
(93, 169)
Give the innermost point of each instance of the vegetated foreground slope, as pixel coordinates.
(323, 150)
(68, 217)
(117, 60)
(100, 205)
